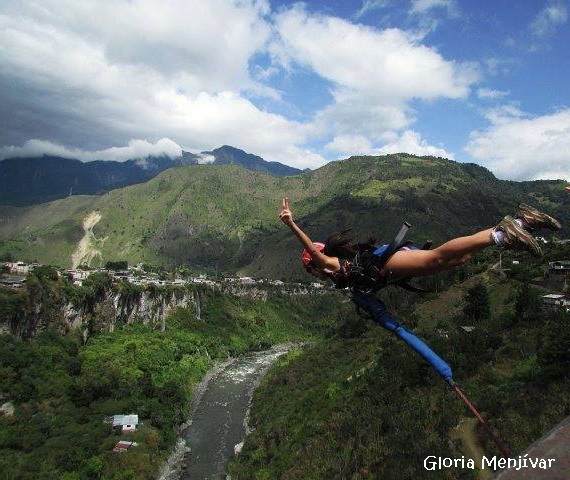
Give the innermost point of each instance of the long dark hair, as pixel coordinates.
(343, 245)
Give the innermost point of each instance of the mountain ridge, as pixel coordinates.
(31, 180)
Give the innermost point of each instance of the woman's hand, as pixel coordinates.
(286, 216)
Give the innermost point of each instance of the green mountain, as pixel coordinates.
(228, 155)
(224, 217)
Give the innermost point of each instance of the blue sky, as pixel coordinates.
(299, 83)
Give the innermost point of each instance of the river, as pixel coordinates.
(218, 424)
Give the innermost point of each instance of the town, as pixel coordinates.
(14, 275)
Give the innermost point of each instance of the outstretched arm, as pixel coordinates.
(286, 216)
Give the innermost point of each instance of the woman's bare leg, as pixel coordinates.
(451, 254)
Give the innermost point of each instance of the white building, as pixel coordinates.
(556, 300)
(559, 266)
(77, 276)
(127, 423)
(20, 267)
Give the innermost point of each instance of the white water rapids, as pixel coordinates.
(218, 425)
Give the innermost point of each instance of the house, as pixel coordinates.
(556, 300)
(21, 268)
(77, 276)
(13, 282)
(442, 332)
(467, 328)
(246, 281)
(202, 279)
(126, 423)
(123, 446)
(559, 267)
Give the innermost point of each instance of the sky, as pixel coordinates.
(298, 83)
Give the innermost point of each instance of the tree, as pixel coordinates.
(117, 265)
(44, 272)
(6, 257)
(527, 303)
(477, 307)
(553, 349)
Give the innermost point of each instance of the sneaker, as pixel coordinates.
(517, 238)
(533, 218)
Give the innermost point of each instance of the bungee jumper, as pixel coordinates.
(365, 268)
(348, 263)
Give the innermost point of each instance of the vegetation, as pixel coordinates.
(361, 405)
(117, 265)
(63, 389)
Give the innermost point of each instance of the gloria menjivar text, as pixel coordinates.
(493, 463)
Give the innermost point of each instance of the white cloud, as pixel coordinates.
(385, 64)
(136, 149)
(204, 158)
(548, 19)
(94, 73)
(408, 142)
(504, 114)
(490, 94)
(370, 5)
(374, 73)
(422, 6)
(350, 145)
(412, 142)
(499, 66)
(520, 147)
(354, 113)
(207, 44)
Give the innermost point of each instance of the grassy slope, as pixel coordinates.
(225, 217)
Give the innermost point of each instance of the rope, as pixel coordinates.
(500, 445)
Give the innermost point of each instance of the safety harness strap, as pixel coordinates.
(366, 268)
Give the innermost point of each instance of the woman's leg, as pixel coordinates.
(428, 262)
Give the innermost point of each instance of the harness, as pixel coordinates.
(363, 273)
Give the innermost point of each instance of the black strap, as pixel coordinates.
(395, 244)
(363, 274)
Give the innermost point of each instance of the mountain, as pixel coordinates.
(224, 217)
(27, 181)
(227, 155)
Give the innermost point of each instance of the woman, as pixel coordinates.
(333, 259)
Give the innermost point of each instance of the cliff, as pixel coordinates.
(48, 303)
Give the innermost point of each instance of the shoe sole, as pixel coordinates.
(545, 220)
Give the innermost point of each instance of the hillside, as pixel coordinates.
(223, 217)
(362, 405)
